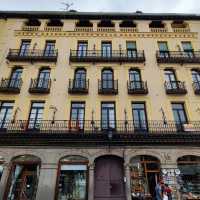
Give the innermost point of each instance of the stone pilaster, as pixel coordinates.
(127, 181)
(91, 183)
(4, 179)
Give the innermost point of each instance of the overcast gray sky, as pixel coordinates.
(175, 6)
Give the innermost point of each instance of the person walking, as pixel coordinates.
(168, 191)
(159, 190)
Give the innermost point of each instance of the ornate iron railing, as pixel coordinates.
(196, 87)
(40, 85)
(175, 87)
(137, 87)
(108, 86)
(78, 86)
(11, 85)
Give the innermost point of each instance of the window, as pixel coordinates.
(5, 113)
(106, 48)
(107, 79)
(170, 78)
(82, 48)
(36, 115)
(180, 117)
(80, 79)
(131, 49)
(49, 48)
(108, 116)
(1, 169)
(77, 115)
(196, 79)
(72, 178)
(187, 48)
(15, 78)
(139, 116)
(135, 79)
(43, 78)
(24, 49)
(163, 48)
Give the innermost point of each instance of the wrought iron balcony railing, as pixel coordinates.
(107, 56)
(137, 87)
(178, 57)
(78, 86)
(41, 86)
(108, 87)
(11, 85)
(32, 55)
(196, 87)
(99, 127)
(175, 87)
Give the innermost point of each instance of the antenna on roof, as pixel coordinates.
(67, 5)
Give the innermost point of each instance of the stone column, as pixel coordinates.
(169, 174)
(117, 23)
(47, 182)
(127, 181)
(91, 182)
(95, 23)
(4, 178)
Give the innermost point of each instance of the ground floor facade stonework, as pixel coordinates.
(115, 173)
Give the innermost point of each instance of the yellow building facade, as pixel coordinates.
(135, 79)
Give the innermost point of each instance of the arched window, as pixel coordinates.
(15, 78)
(127, 23)
(84, 23)
(43, 78)
(156, 24)
(145, 173)
(107, 78)
(80, 78)
(24, 177)
(189, 179)
(72, 178)
(33, 22)
(106, 23)
(55, 22)
(135, 79)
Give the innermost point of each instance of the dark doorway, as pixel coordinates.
(109, 178)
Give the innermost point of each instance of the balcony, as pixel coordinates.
(10, 86)
(196, 87)
(181, 30)
(78, 86)
(100, 56)
(40, 86)
(158, 30)
(137, 87)
(175, 88)
(53, 28)
(33, 55)
(179, 57)
(108, 87)
(30, 28)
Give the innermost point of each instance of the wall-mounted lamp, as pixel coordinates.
(15, 114)
(54, 113)
(163, 115)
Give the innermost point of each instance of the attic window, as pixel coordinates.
(127, 23)
(33, 22)
(156, 24)
(106, 23)
(179, 24)
(55, 22)
(84, 23)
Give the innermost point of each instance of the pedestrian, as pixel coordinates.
(158, 190)
(168, 191)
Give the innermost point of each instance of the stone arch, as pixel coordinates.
(183, 154)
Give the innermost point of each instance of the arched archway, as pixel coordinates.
(189, 179)
(23, 179)
(109, 178)
(1, 166)
(145, 173)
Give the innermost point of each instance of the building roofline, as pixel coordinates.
(97, 15)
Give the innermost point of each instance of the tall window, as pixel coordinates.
(196, 78)
(77, 115)
(187, 48)
(80, 79)
(106, 48)
(82, 48)
(163, 48)
(24, 49)
(131, 49)
(108, 116)
(49, 48)
(179, 113)
(15, 78)
(135, 79)
(107, 79)
(5, 113)
(72, 178)
(170, 78)
(43, 78)
(139, 116)
(36, 115)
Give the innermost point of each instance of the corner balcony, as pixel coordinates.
(12, 86)
(175, 88)
(108, 87)
(137, 87)
(196, 87)
(33, 55)
(111, 56)
(78, 86)
(40, 86)
(179, 57)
